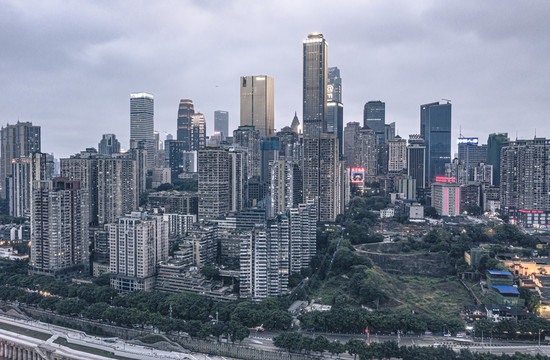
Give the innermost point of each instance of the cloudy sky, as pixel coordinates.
(69, 66)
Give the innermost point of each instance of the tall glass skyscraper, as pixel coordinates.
(142, 123)
(495, 143)
(315, 85)
(257, 103)
(435, 128)
(221, 122)
(334, 89)
(374, 116)
(186, 111)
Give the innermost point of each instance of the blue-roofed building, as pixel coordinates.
(505, 295)
(497, 277)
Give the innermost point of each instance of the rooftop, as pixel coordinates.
(506, 290)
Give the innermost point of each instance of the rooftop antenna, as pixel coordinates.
(460, 131)
(447, 100)
(535, 133)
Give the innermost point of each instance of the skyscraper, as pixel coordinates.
(435, 128)
(416, 160)
(257, 103)
(142, 123)
(221, 122)
(108, 145)
(185, 112)
(351, 141)
(367, 153)
(18, 140)
(374, 116)
(334, 89)
(397, 155)
(213, 166)
(198, 131)
(59, 227)
(335, 121)
(494, 146)
(315, 82)
(249, 138)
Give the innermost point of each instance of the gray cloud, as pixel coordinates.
(70, 67)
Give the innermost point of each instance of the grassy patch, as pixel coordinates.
(151, 339)
(88, 349)
(24, 331)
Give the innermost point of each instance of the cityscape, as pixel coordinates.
(312, 236)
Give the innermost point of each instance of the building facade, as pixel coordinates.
(315, 80)
(258, 104)
(142, 124)
(435, 128)
(221, 122)
(374, 116)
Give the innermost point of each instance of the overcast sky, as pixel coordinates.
(69, 66)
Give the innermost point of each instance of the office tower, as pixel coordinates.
(249, 138)
(435, 128)
(446, 198)
(213, 166)
(19, 140)
(186, 111)
(138, 241)
(383, 159)
(221, 122)
(117, 188)
(321, 175)
(315, 80)
(525, 180)
(471, 153)
(367, 153)
(416, 160)
(495, 142)
(374, 116)
(269, 150)
(334, 87)
(295, 125)
(389, 131)
(198, 131)
(257, 103)
(289, 144)
(303, 233)
(59, 227)
(108, 145)
(397, 148)
(351, 140)
(142, 125)
(335, 122)
(407, 187)
(238, 179)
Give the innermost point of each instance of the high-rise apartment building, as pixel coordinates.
(397, 149)
(351, 141)
(108, 145)
(238, 179)
(525, 180)
(374, 116)
(214, 170)
(446, 198)
(258, 104)
(186, 110)
(221, 122)
(142, 124)
(389, 131)
(367, 152)
(137, 241)
(25, 171)
(283, 197)
(19, 140)
(416, 160)
(59, 227)
(495, 142)
(321, 175)
(303, 233)
(289, 144)
(248, 137)
(315, 81)
(435, 128)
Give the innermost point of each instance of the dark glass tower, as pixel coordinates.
(334, 89)
(185, 115)
(335, 122)
(494, 146)
(435, 128)
(221, 122)
(315, 85)
(374, 116)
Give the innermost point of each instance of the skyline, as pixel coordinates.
(72, 68)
